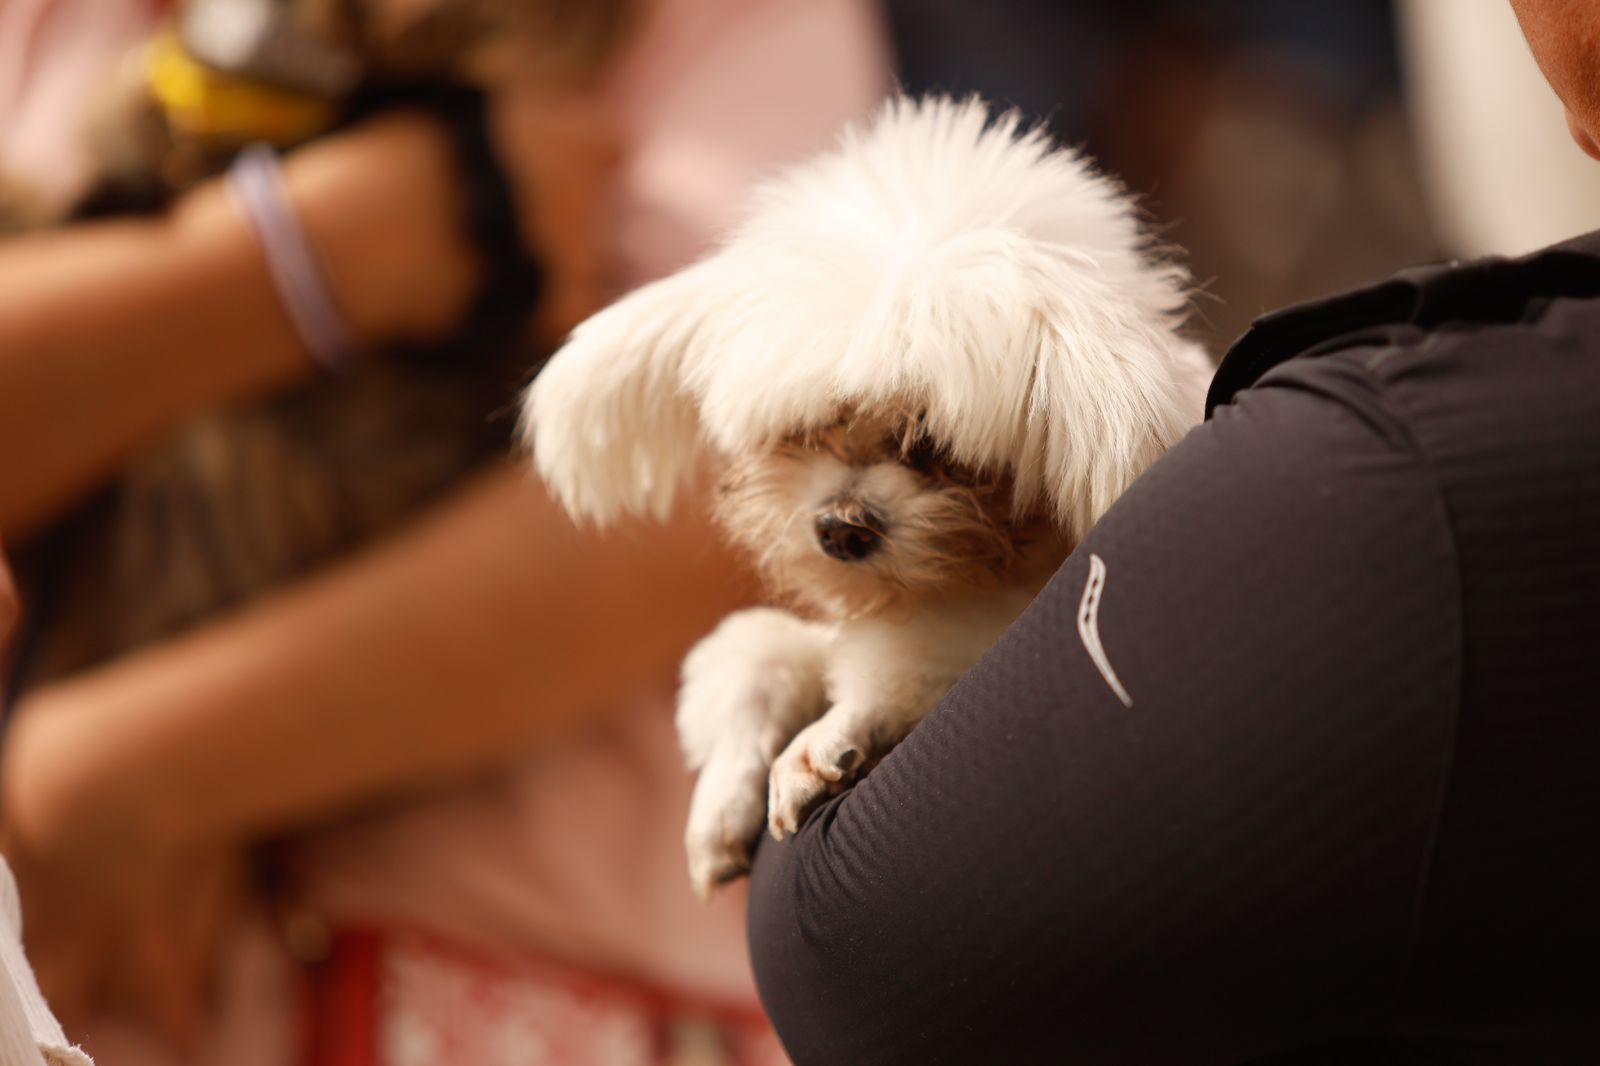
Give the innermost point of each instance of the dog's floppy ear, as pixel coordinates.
(1114, 386)
(1062, 366)
(608, 421)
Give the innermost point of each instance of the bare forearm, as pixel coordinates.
(470, 640)
(104, 331)
(111, 331)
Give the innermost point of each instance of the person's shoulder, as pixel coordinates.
(1459, 310)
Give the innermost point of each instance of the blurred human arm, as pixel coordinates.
(111, 331)
(470, 638)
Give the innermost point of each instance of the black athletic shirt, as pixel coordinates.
(1352, 813)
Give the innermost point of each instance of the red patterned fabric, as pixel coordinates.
(406, 999)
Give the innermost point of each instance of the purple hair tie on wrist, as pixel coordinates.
(256, 188)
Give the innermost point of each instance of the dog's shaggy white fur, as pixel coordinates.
(947, 337)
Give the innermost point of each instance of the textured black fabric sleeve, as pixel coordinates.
(1227, 869)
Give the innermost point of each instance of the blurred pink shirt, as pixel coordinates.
(54, 55)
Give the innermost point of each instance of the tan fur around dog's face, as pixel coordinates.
(944, 529)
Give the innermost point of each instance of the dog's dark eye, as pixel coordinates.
(921, 454)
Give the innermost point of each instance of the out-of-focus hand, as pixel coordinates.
(116, 919)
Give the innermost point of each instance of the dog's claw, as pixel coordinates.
(708, 871)
(794, 792)
(725, 818)
(798, 783)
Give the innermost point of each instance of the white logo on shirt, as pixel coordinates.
(1089, 627)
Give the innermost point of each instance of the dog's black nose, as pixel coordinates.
(844, 540)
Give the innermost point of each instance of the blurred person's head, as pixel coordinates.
(1565, 38)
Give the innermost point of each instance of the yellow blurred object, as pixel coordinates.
(210, 105)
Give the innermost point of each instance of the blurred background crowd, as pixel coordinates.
(328, 740)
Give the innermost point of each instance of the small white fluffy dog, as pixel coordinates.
(923, 368)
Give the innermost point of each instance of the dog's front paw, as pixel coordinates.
(821, 761)
(725, 817)
(753, 683)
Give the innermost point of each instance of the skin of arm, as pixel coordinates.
(117, 329)
(330, 693)
(130, 792)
